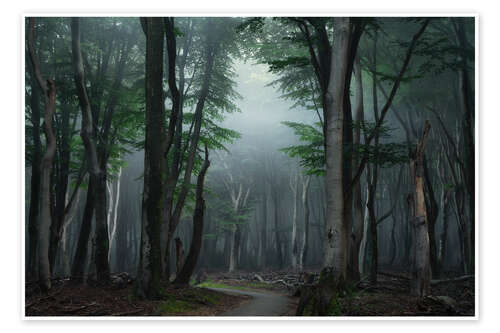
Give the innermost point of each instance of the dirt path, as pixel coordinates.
(262, 303)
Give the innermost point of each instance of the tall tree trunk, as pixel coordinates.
(95, 172)
(36, 157)
(420, 270)
(194, 251)
(150, 265)
(48, 88)
(61, 186)
(114, 228)
(432, 210)
(335, 253)
(445, 203)
(358, 216)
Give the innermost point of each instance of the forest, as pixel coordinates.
(249, 166)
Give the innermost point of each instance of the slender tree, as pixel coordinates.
(96, 174)
(48, 88)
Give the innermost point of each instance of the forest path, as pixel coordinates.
(262, 303)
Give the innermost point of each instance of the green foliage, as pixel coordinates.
(311, 153)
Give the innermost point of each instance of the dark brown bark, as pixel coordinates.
(420, 268)
(185, 274)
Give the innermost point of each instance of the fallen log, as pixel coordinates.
(258, 277)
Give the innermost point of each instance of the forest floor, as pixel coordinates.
(244, 293)
(70, 299)
(389, 297)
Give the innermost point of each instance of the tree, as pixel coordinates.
(184, 276)
(48, 88)
(96, 174)
(150, 265)
(35, 176)
(335, 257)
(420, 270)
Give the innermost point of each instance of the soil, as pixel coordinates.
(67, 298)
(389, 297)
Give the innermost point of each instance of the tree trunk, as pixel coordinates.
(150, 265)
(78, 267)
(49, 90)
(61, 186)
(445, 203)
(467, 101)
(279, 251)
(420, 269)
(174, 214)
(357, 227)
(95, 172)
(432, 210)
(32, 270)
(179, 255)
(305, 234)
(294, 184)
(112, 234)
(335, 253)
(194, 251)
(263, 238)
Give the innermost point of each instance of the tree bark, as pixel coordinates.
(48, 88)
(36, 157)
(95, 172)
(294, 184)
(305, 235)
(185, 274)
(420, 269)
(358, 216)
(335, 247)
(179, 255)
(150, 265)
(467, 101)
(78, 267)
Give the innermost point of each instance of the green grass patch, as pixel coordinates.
(173, 306)
(246, 286)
